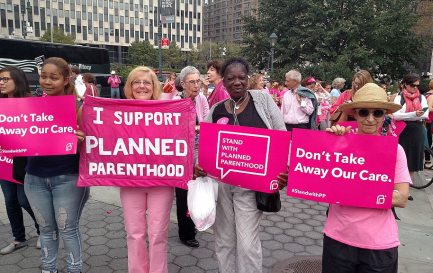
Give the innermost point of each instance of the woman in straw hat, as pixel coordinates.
(363, 239)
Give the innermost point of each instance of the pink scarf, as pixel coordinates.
(412, 100)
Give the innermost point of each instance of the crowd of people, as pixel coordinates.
(355, 239)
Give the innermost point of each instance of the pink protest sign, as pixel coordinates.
(353, 170)
(6, 169)
(38, 126)
(137, 143)
(242, 156)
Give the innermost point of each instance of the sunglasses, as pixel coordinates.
(414, 85)
(377, 113)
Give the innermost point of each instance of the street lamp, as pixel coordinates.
(273, 40)
(159, 42)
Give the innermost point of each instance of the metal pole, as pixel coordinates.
(159, 40)
(272, 60)
(51, 26)
(23, 12)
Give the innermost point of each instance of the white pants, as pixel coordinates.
(237, 243)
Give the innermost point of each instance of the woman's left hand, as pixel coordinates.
(282, 180)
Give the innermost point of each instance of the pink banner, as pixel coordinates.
(6, 169)
(38, 126)
(242, 156)
(353, 170)
(137, 143)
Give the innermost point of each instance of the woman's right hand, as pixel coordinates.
(199, 172)
(419, 113)
(339, 130)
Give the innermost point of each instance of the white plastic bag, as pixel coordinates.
(202, 194)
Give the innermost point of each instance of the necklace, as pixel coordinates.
(238, 104)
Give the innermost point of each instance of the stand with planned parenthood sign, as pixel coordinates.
(245, 157)
(137, 143)
(353, 170)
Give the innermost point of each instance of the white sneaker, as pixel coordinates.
(12, 247)
(428, 165)
(38, 242)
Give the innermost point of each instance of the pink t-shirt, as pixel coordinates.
(364, 227)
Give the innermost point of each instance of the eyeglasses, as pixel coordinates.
(194, 82)
(138, 83)
(4, 79)
(413, 85)
(377, 113)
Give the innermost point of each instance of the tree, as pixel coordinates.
(58, 37)
(335, 37)
(142, 53)
(172, 57)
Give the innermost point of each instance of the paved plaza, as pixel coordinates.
(295, 230)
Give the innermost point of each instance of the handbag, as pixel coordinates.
(268, 202)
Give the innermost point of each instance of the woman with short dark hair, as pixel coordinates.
(237, 242)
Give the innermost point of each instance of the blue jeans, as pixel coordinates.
(15, 199)
(115, 93)
(57, 203)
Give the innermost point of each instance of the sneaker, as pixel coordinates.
(428, 165)
(12, 247)
(38, 242)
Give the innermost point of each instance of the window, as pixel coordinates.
(37, 30)
(17, 16)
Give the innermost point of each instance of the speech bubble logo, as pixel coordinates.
(242, 153)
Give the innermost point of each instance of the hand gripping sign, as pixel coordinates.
(245, 157)
(38, 126)
(353, 170)
(137, 143)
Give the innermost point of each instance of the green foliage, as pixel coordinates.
(58, 37)
(142, 53)
(122, 70)
(172, 57)
(335, 37)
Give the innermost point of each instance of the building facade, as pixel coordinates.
(113, 24)
(223, 19)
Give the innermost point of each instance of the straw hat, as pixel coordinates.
(370, 95)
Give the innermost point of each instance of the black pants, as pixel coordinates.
(342, 258)
(289, 127)
(15, 199)
(186, 225)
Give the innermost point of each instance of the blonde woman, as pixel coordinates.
(142, 84)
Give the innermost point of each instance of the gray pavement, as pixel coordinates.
(295, 230)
